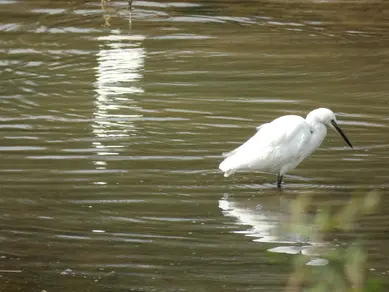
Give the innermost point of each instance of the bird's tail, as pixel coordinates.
(228, 166)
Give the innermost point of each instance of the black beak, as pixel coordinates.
(341, 133)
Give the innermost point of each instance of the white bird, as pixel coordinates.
(279, 146)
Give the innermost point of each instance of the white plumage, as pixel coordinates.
(279, 146)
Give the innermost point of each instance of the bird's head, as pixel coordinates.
(327, 117)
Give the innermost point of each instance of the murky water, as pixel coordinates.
(111, 138)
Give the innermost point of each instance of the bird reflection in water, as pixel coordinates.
(265, 218)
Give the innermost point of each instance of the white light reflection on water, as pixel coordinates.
(120, 64)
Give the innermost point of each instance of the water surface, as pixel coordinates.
(111, 137)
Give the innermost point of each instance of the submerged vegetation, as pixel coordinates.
(341, 267)
(109, 10)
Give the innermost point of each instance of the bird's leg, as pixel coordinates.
(279, 180)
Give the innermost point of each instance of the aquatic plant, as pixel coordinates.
(343, 266)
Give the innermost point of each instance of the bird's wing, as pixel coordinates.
(284, 129)
(228, 154)
(261, 126)
(278, 132)
(275, 143)
(287, 134)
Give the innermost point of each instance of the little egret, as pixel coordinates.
(279, 146)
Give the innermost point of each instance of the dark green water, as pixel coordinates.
(111, 138)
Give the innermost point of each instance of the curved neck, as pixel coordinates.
(319, 131)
